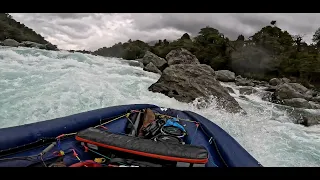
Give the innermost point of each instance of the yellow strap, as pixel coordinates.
(119, 117)
(99, 160)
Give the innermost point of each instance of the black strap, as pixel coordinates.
(32, 145)
(117, 160)
(58, 162)
(133, 162)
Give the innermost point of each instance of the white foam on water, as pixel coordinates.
(37, 85)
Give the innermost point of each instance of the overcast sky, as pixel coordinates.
(91, 31)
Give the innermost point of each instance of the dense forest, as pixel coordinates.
(11, 29)
(129, 50)
(270, 52)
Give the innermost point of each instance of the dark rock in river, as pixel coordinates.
(247, 90)
(159, 62)
(152, 68)
(10, 42)
(181, 56)
(186, 82)
(225, 76)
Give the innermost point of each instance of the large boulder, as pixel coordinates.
(295, 95)
(301, 116)
(290, 90)
(10, 42)
(50, 46)
(186, 82)
(260, 83)
(225, 76)
(159, 62)
(310, 119)
(33, 45)
(298, 87)
(27, 43)
(304, 117)
(311, 93)
(298, 103)
(316, 99)
(247, 90)
(278, 81)
(152, 68)
(240, 81)
(181, 56)
(314, 105)
(274, 81)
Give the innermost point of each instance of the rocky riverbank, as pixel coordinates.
(30, 44)
(185, 79)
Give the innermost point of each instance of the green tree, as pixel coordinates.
(159, 43)
(240, 38)
(316, 37)
(298, 41)
(165, 42)
(185, 36)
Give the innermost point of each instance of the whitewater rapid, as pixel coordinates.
(37, 85)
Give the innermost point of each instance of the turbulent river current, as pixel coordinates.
(37, 85)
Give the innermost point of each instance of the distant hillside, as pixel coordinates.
(11, 29)
(152, 43)
(128, 50)
(81, 51)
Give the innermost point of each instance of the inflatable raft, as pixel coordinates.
(135, 135)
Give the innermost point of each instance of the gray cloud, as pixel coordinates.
(94, 30)
(68, 15)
